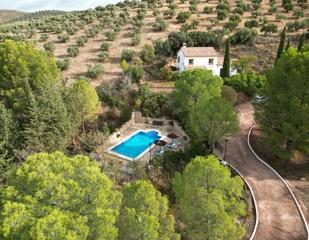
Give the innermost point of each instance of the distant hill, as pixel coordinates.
(8, 15)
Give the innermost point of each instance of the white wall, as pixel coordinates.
(202, 62)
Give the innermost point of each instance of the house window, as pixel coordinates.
(191, 61)
(178, 59)
(211, 61)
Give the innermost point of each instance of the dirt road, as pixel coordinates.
(278, 215)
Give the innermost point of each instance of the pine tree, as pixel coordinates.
(281, 45)
(225, 71)
(301, 42)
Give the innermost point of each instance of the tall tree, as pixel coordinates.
(52, 196)
(288, 45)
(192, 86)
(31, 89)
(144, 214)
(281, 45)
(226, 69)
(210, 120)
(83, 103)
(23, 68)
(6, 133)
(301, 42)
(209, 200)
(284, 116)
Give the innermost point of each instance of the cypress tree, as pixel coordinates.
(288, 45)
(301, 42)
(225, 71)
(281, 45)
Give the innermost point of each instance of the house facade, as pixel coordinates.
(200, 57)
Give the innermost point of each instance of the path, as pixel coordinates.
(278, 215)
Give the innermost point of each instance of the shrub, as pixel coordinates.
(247, 82)
(298, 13)
(251, 23)
(269, 28)
(44, 37)
(104, 46)
(136, 73)
(294, 26)
(63, 37)
(272, 9)
(103, 56)
(280, 17)
(111, 35)
(239, 11)
(127, 54)
(244, 36)
(159, 25)
(229, 94)
(81, 41)
(147, 54)
(222, 14)
(182, 17)
(94, 71)
(136, 39)
(193, 8)
(170, 13)
(207, 9)
(73, 51)
(64, 64)
(49, 47)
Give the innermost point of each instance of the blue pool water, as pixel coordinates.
(136, 144)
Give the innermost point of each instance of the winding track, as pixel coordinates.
(279, 218)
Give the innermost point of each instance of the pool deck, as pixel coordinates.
(131, 127)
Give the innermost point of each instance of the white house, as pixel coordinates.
(200, 57)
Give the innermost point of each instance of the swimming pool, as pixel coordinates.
(136, 145)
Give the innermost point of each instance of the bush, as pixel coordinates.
(207, 9)
(159, 25)
(64, 64)
(73, 51)
(136, 72)
(127, 54)
(63, 37)
(136, 39)
(49, 47)
(249, 83)
(244, 36)
(269, 28)
(229, 94)
(251, 23)
(298, 13)
(103, 56)
(280, 17)
(182, 17)
(104, 46)
(111, 35)
(147, 54)
(222, 14)
(294, 26)
(94, 71)
(44, 37)
(81, 41)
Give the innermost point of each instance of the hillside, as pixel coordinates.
(7, 15)
(204, 15)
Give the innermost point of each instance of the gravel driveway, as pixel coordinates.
(279, 217)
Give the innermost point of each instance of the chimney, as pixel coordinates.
(184, 45)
